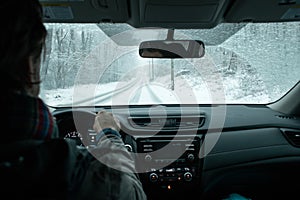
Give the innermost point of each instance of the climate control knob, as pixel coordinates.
(153, 177)
(187, 176)
(191, 157)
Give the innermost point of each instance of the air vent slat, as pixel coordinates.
(167, 123)
(293, 136)
(285, 117)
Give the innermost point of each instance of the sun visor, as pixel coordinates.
(255, 11)
(180, 14)
(85, 11)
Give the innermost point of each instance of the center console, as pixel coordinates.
(169, 164)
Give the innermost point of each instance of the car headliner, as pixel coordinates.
(182, 14)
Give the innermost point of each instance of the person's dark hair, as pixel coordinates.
(22, 35)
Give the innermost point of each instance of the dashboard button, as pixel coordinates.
(187, 176)
(153, 177)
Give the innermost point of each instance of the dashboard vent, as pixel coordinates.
(285, 117)
(167, 123)
(293, 136)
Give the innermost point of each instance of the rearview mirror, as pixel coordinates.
(172, 49)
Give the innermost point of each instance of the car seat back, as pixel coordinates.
(36, 169)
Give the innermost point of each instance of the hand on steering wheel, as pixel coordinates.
(105, 120)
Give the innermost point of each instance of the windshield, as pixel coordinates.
(96, 65)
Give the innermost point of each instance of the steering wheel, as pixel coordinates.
(76, 125)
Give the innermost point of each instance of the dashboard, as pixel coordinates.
(209, 151)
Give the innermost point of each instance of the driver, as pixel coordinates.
(28, 117)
